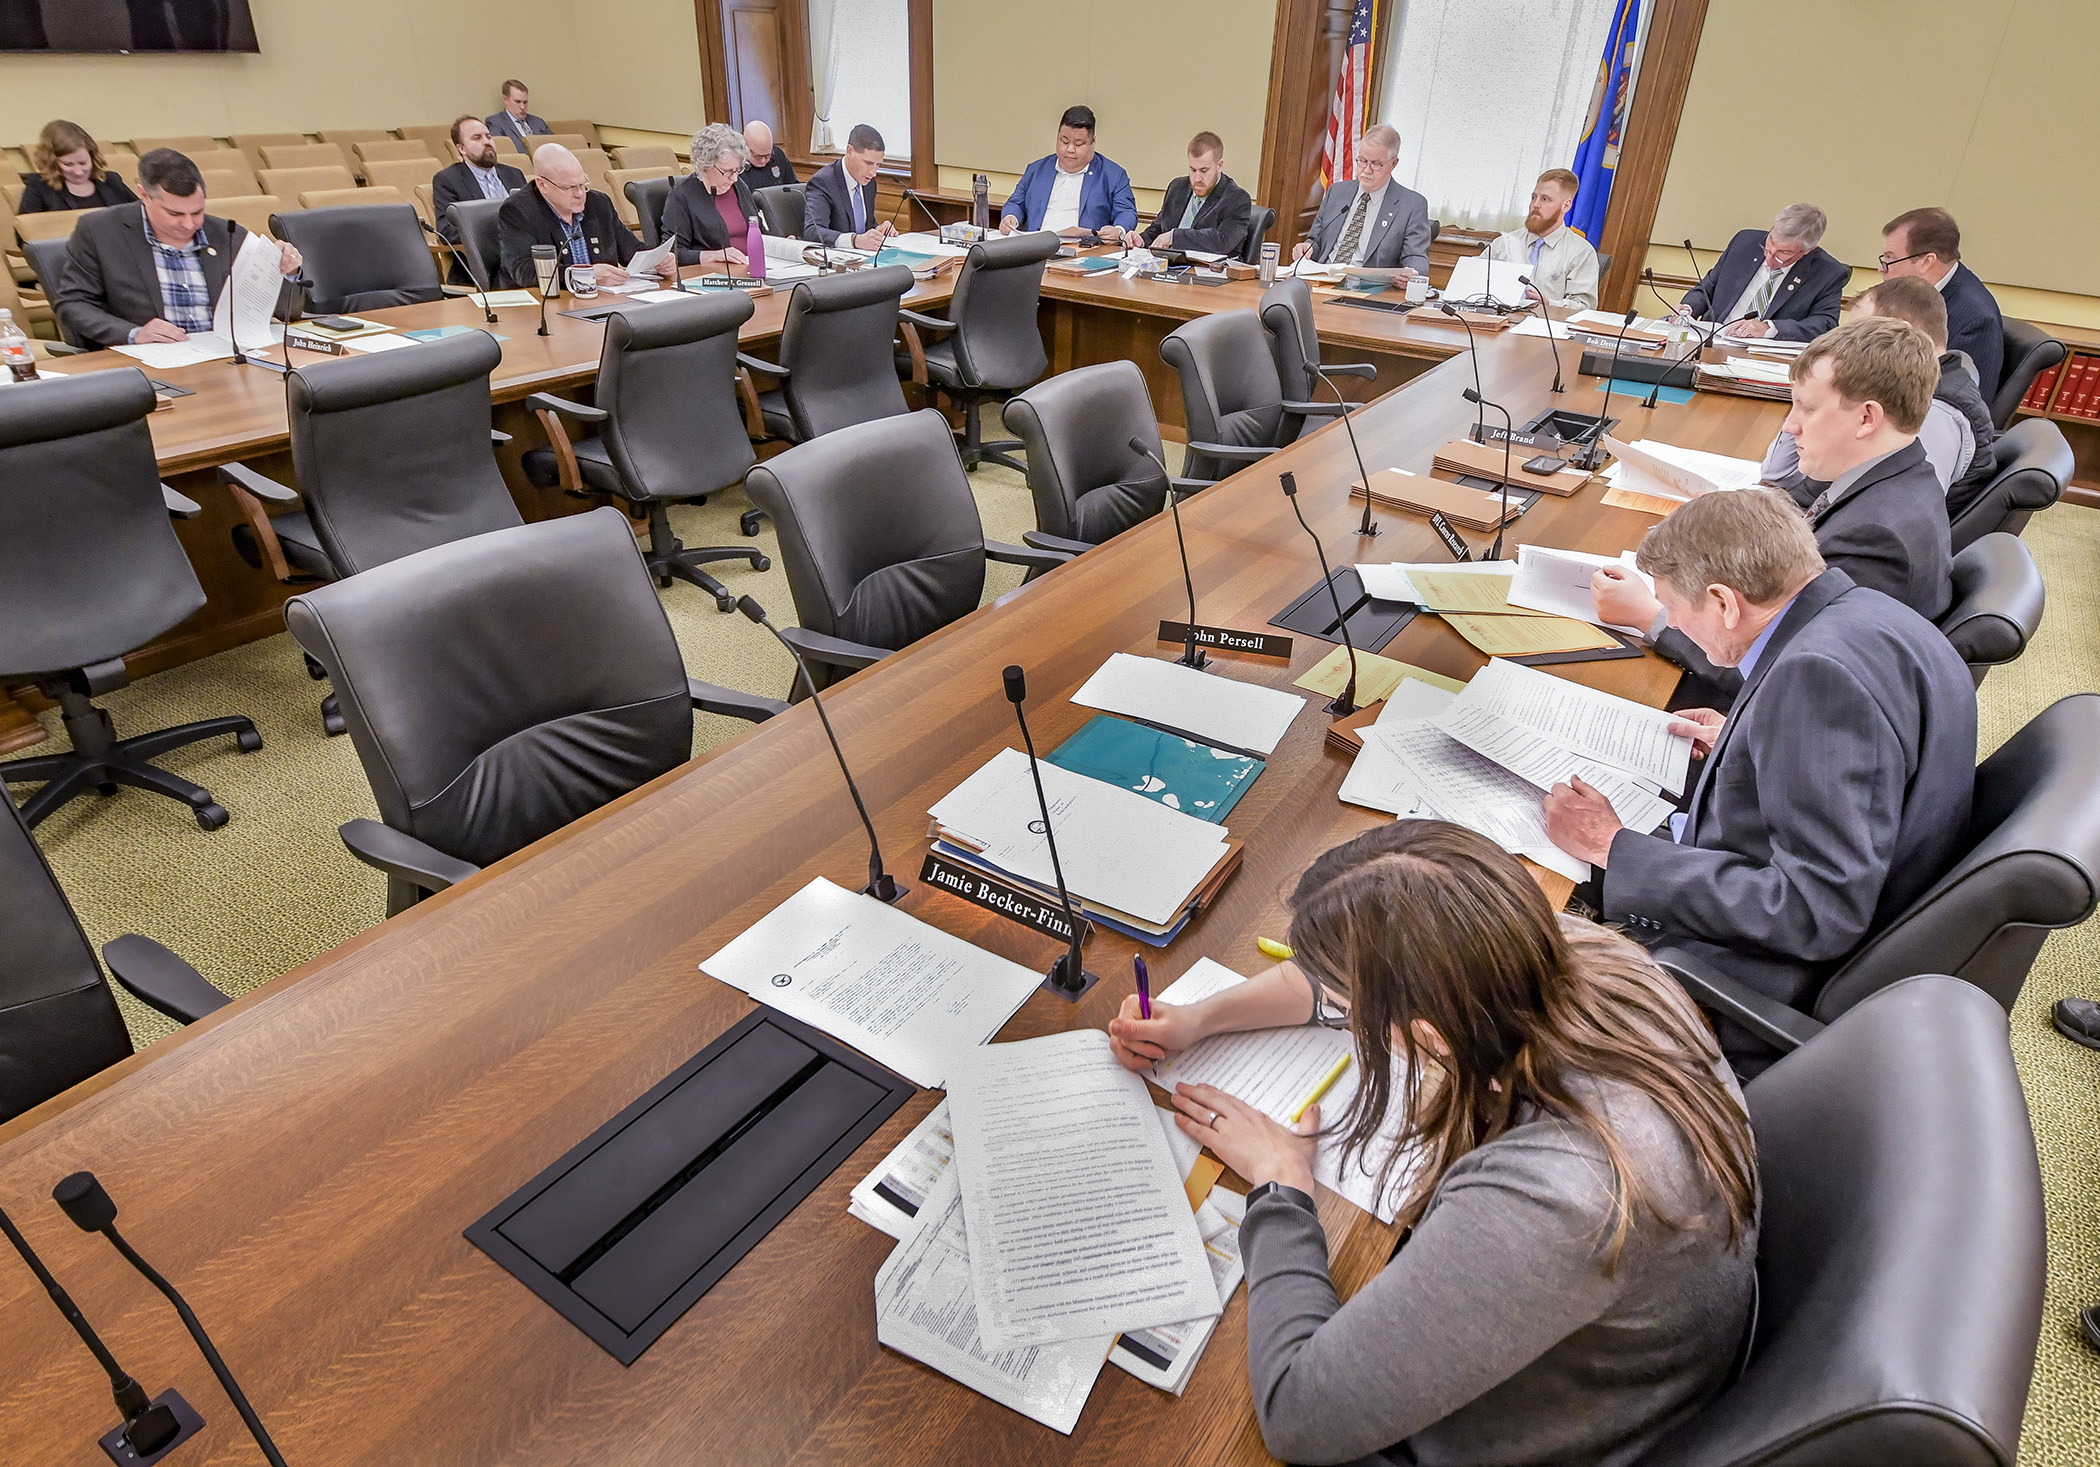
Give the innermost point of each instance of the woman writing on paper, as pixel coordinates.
(1581, 1265)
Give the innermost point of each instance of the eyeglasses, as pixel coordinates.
(1887, 260)
(1330, 1011)
(572, 188)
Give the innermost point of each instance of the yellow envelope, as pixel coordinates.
(1444, 591)
(1524, 636)
(1376, 676)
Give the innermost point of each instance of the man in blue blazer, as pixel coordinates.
(1073, 190)
(838, 206)
(1371, 219)
(1834, 794)
(1776, 282)
(1927, 243)
(516, 121)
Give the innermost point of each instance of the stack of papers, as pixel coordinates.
(1475, 600)
(1748, 376)
(1558, 581)
(1394, 582)
(1206, 706)
(1665, 471)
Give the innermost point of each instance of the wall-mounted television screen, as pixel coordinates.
(124, 26)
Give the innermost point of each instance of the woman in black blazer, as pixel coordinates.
(699, 206)
(70, 174)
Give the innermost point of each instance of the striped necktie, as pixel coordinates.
(1345, 252)
(1762, 301)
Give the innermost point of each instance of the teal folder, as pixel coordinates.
(1179, 773)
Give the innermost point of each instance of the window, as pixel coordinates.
(1487, 96)
(860, 70)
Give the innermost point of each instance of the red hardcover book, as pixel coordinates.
(2088, 403)
(2037, 398)
(2069, 401)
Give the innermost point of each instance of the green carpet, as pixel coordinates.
(275, 888)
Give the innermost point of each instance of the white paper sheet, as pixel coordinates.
(1613, 731)
(244, 307)
(1180, 1346)
(204, 346)
(1476, 276)
(1558, 581)
(1206, 706)
(391, 341)
(1391, 583)
(1545, 763)
(921, 243)
(905, 994)
(1079, 1227)
(1414, 698)
(1646, 466)
(1474, 791)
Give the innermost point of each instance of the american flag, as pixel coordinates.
(1345, 118)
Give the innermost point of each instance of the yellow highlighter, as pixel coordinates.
(1270, 947)
(1320, 1089)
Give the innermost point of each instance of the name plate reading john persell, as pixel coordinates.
(979, 890)
(1226, 639)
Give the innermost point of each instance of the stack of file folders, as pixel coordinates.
(1745, 376)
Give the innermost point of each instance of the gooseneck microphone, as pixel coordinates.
(1191, 655)
(147, 1428)
(233, 330)
(1344, 703)
(1314, 377)
(1697, 274)
(1593, 456)
(457, 258)
(1648, 279)
(1545, 315)
(92, 1211)
(1495, 553)
(881, 885)
(1068, 977)
(1473, 347)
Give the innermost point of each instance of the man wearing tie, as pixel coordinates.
(1779, 283)
(1927, 243)
(838, 210)
(1557, 259)
(477, 174)
(1370, 220)
(516, 121)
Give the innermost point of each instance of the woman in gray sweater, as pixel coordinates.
(1578, 1172)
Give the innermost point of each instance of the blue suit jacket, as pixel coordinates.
(1807, 301)
(1104, 198)
(1975, 326)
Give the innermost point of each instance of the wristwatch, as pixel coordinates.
(1283, 1193)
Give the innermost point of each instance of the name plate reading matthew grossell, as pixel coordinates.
(1226, 639)
(1010, 902)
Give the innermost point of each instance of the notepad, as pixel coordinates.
(1217, 710)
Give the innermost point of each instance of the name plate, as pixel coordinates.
(1458, 547)
(980, 890)
(1226, 639)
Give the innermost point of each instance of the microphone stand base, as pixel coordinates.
(896, 891)
(1054, 982)
(1195, 657)
(264, 363)
(1342, 708)
(186, 1421)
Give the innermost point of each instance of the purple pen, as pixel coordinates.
(1144, 982)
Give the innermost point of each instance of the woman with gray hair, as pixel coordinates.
(710, 210)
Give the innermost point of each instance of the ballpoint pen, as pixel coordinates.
(1144, 985)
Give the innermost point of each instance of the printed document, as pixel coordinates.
(1205, 706)
(1079, 1228)
(891, 1197)
(1666, 471)
(1558, 582)
(905, 994)
(1393, 582)
(1165, 1355)
(1472, 790)
(1476, 277)
(1617, 732)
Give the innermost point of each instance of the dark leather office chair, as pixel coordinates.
(47, 261)
(648, 195)
(1901, 1248)
(1436, 227)
(838, 347)
(90, 570)
(498, 688)
(2032, 865)
(989, 346)
(781, 208)
(880, 536)
(1998, 598)
(1260, 220)
(1088, 484)
(2034, 463)
(392, 453)
(58, 1023)
(1287, 315)
(480, 246)
(361, 257)
(669, 428)
(2029, 352)
(1603, 264)
(1232, 399)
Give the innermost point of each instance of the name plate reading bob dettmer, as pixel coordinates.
(1226, 639)
(1010, 902)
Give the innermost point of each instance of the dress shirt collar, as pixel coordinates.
(1846, 482)
(1757, 648)
(1550, 239)
(1941, 283)
(195, 243)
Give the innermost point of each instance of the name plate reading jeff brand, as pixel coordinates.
(979, 890)
(1226, 639)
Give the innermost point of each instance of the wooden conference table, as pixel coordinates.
(302, 1163)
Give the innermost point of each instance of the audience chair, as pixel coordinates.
(189, 146)
(881, 540)
(623, 200)
(781, 209)
(253, 143)
(2031, 864)
(289, 183)
(344, 198)
(47, 262)
(647, 197)
(2034, 463)
(480, 246)
(11, 192)
(251, 211)
(507, 145)
(520, 161)
(654, 156)
(436, 138)
(1088, 483)
(224, 160)
(58, 1023)
(1901, 1251)
(1998, 597)
(51, 224)
(1287, 315)
(405, 175)
(221, 183)
(345, 139)
(573, 141)
(837, 355)
(990, 346)
(1231, 396)
(363, 257)
(669, 427)
(309, 155)
(126, 166)
(1260, 221)
(597, 167)
(2029, 352)
(90, 570)
(391, 150)
(28, 309)
(582, 127)
(497, 689)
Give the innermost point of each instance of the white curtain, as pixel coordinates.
(860, 66)
(1487, 95)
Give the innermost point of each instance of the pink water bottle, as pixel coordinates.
(755, 252)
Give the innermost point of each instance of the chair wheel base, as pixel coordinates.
(750, 522)
(102, 763)
(211, 817)
(248, 741)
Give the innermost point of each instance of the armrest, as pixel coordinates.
(386, 849)
(836, 651)
(497, 436)
(712, 698)
(1229, 450)
(63, 349)
(549, 403)
(752, 363)
(1041, 560)
(1350, 369)
(180, 505)
(929, 323)
(1037, 540)
(1784, 1028)
(243, 477)
(1183, 488)
(1312, 409)
(160, 980)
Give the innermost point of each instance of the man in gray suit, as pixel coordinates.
(516, 121)
(1371, 220)
(1835, 793)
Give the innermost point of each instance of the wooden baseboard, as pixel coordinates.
(2084, 496)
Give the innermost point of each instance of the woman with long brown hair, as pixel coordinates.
(1577, 1170)
(70, 173)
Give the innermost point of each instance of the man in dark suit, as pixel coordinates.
(1927, 243)
(1371, 219)
(477, 174)
(562, 209)
(151, 271)
(838, 208)
(516, 121)
(1205, 211)
(1780, 279)
(1834, 794)
(768, 166)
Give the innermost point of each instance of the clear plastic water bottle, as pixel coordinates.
(15, 349)
(755, 252)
